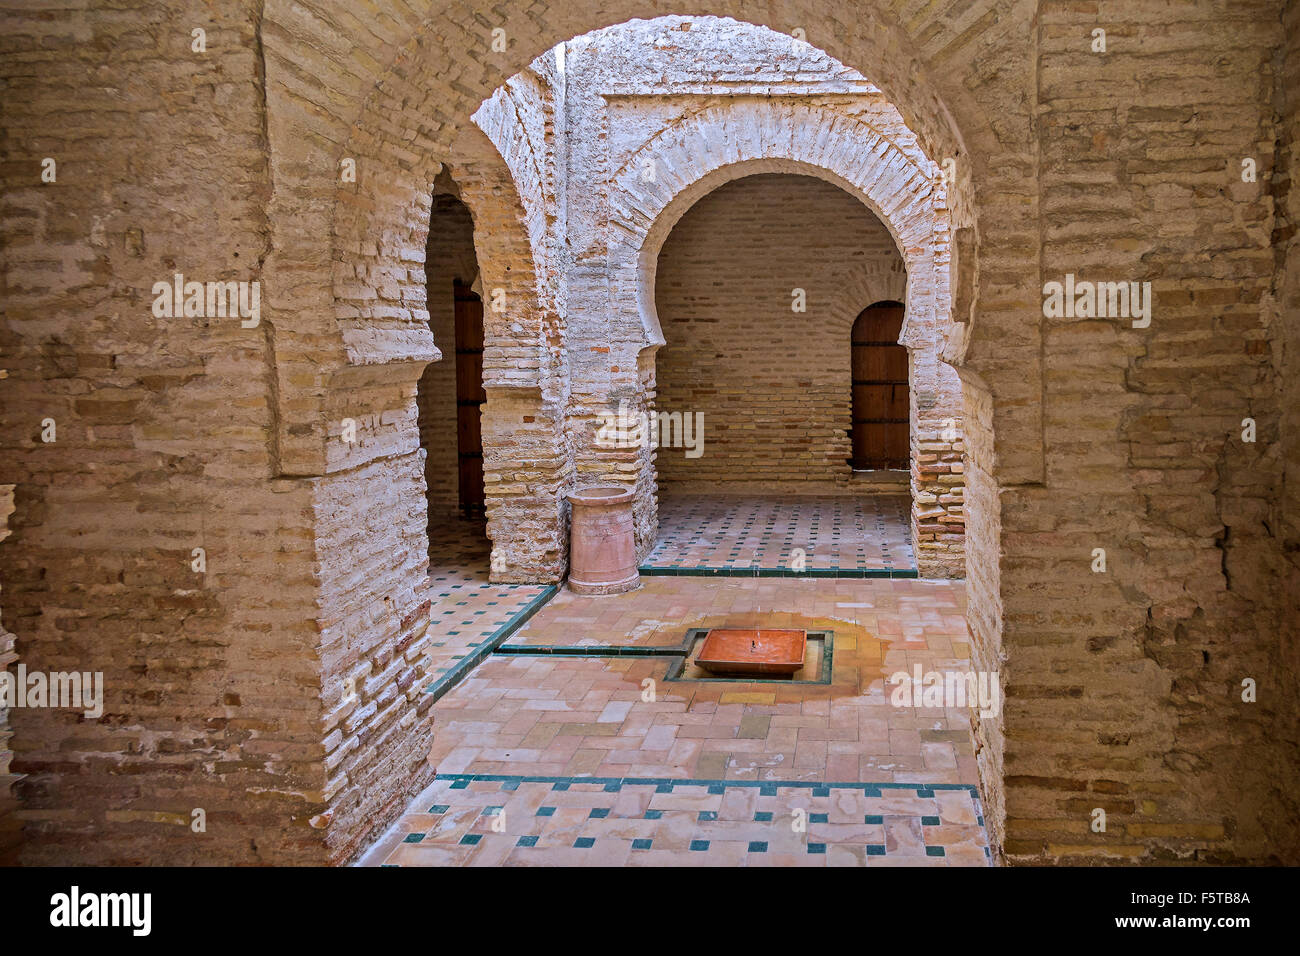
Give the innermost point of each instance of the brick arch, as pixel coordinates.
(741, 138)
(525, 468)
(515, 263)
(876, 283)
(669, 173)
(844, 283)
(390, 86)
(499, 120)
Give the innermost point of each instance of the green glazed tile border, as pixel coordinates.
(461, 781)
(678, 655)
(664, 570)
(666, 784)
(467, 663)
(582, 650)
(602, 650)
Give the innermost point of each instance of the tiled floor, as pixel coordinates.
(512, 820)
(857, 533)
(467, 611)
(458, 546)
(567, 715)
(640, 770)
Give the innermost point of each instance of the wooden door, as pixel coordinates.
(880, 401)
(469, 396)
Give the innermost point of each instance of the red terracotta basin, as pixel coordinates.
(735, 650)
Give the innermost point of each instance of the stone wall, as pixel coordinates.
(772, 384)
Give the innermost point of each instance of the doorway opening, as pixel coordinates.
(768, 374)
(470, 398)
(450, 398)
(881, 401)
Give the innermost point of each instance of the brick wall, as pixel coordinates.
(10, 831)
(1286, 239)
(164, 444)
(773, 385)
(1124, 686)
(1122, 690)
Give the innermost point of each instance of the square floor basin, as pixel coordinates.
(735, 650)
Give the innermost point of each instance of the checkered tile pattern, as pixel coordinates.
(472, 821)
(467, 609)
(834, 533)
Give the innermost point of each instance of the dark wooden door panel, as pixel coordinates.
(469, 320)
(471, 482)
(469, 378)
(470, 396)
(872, 401)
(469, 435)
(881, 405)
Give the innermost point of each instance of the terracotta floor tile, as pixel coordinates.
(581, 716)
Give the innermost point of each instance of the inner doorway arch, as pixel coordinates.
(881, 402)
(470, 398)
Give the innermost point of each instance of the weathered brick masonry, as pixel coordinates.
(656, 116)
(164, 444)
(449, 256)
(771, 383)
(279, 691)
(1284, 346)
(582, 132)
(1125, 692)
(10, 833)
